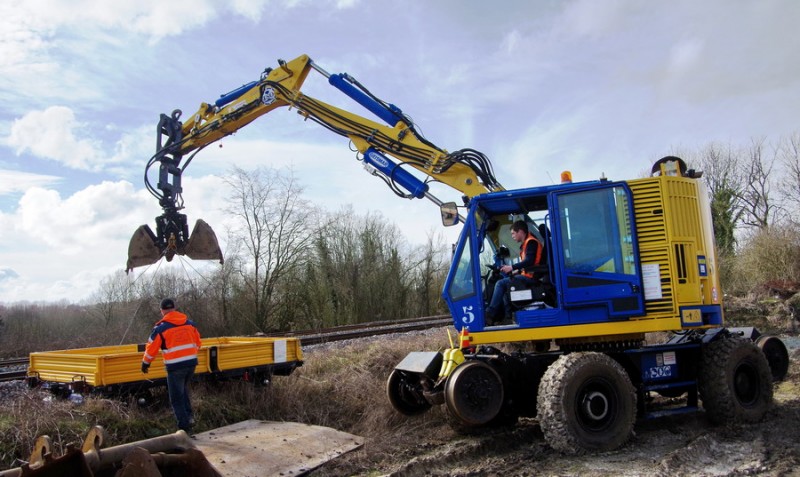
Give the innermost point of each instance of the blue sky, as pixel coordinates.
(594, 86)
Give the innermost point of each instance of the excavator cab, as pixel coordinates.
(592, 272)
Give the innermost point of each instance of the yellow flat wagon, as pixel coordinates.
(116, 369)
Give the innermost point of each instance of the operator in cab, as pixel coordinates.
(530, 254)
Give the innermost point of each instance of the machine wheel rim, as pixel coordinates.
(746, 384)
(597, 404)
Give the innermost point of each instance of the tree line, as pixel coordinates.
(288, 265)
(754, 191)
(292, 265)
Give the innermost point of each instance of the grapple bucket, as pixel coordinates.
(146, 248)
(203, 243)
(142, 249)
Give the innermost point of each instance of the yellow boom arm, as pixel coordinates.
(379, 146)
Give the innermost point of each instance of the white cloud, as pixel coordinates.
(97, 214)
(55, 248)
(593, 19)
(685, 56)
(590, 86)
(57, 135)
(60, 248)
(18, 181)
(51, 134)
(152, 18)
(29, 25)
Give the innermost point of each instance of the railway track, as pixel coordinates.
(13, 374)
(307, 338)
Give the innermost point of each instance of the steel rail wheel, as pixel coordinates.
(777, 355)
(735, 381)
(473, 395)
(405, 393)
(586, 403)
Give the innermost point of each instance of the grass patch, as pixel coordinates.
(339, 386)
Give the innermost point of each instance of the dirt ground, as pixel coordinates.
(680, 445)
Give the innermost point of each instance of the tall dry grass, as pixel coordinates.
(340, 386)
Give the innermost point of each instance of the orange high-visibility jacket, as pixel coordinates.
(537, 259)
(177, 338)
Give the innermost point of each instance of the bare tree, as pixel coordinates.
(761, 209)
(220, 319)
(273, 229)
(111, 297)
(722, 173)
(789, 153)
(429, 272)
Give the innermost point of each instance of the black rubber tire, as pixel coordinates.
(735, 381)
(405, 393)
(586, 403)
(777, 355)
(474, 395)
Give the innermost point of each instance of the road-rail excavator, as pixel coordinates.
(621, 261)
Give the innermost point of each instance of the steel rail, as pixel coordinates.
(307, 337)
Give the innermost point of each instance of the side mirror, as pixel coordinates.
(449, 212)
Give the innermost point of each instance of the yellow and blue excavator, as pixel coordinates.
(621, 261)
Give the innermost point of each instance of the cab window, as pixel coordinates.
(463, 284)
(596, 231)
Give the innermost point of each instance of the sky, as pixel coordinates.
(598, 87)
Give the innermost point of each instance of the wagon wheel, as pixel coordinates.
(735, 381)
(474, 395)
(586, 403)
(405, 393)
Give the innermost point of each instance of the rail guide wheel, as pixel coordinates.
(735, 381)
(406, 394)
(586, 403)
(473, 395)
(777, 355)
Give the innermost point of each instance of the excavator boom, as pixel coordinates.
(387, 150)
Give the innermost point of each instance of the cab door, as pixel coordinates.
(594, 237)
(464, 286)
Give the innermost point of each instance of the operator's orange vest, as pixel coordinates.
(524, 246)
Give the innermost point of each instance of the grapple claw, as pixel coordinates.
(142, 249)
(147, 248)
(203, 243)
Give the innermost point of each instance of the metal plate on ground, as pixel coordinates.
(262, 448)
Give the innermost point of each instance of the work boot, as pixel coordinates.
(507, 319)
(491, 316)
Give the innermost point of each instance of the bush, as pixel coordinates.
(766, 256)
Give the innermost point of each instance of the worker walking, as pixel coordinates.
(179, 341)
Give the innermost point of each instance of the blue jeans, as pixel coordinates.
(501, 298)
(178, 385)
